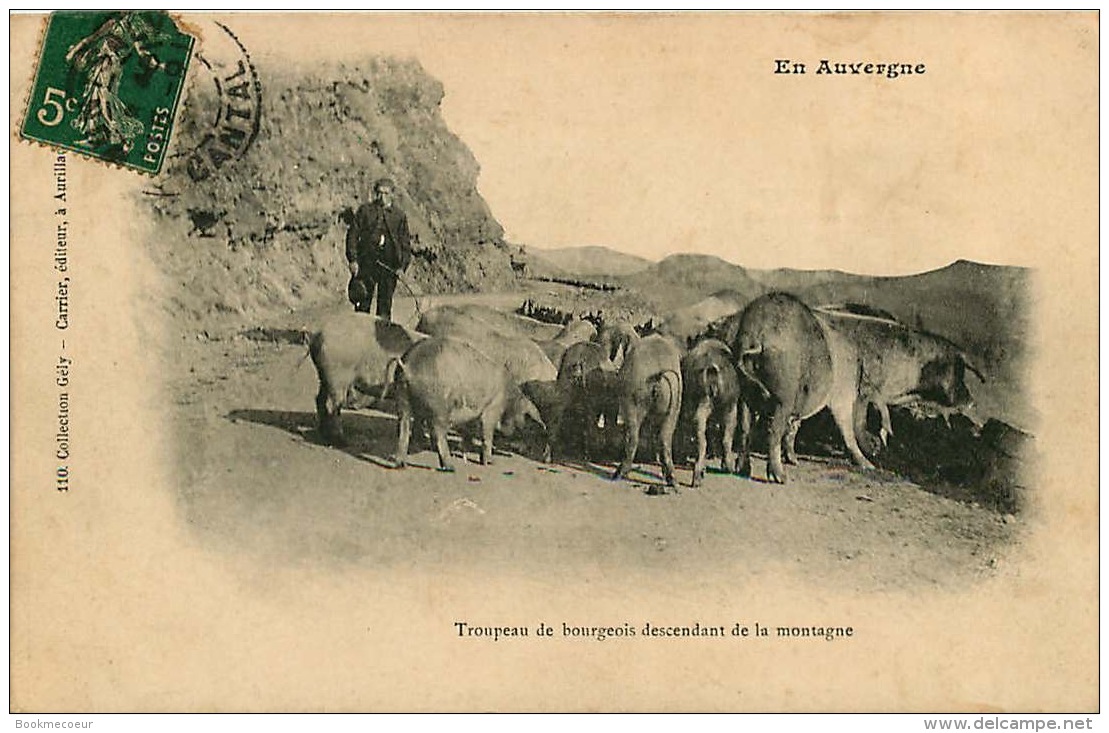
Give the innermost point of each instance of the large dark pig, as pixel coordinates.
(793, 368)
(351, 352)
(589, 382)
(551, 401)
(584, 390)
(710, 387)
(797, 360)
(898, 364)
(650, 389)
(445, 382)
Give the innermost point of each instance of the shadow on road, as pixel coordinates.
(369, 436)
(641, 476)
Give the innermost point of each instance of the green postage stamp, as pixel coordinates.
(108, 84)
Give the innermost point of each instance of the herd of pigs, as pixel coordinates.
(778, 359)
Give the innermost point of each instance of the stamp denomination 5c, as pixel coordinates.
(108, 84)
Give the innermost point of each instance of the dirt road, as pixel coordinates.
(255, 479)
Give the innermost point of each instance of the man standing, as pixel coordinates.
(378, 249)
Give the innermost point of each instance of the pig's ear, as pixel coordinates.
(530, 410)
(538, 393)
(969, 365)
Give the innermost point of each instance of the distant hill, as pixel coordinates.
(589, 261)
(683, 279)
(793, 281)
(540, 266)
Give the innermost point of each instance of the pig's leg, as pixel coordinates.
(404, 434)
(844, 410)
(439, 429)
(887, 428)
(328, 410)
(631, 443)
(488, 425)
(728, 425)
(779, 424)
(666, 437)
(744, 459)
(700, 425)
(790, 440)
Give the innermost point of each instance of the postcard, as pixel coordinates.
(560, 362)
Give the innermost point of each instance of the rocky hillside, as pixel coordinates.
(263, 233)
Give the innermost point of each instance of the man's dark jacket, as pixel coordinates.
(371, 221)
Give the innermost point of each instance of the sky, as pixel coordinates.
(660, 133)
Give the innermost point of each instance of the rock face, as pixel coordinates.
(990, 465)
(1010, 454)
(263, 231)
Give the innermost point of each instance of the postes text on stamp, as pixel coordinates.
(108, 84)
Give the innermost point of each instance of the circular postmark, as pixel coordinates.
(223, 111)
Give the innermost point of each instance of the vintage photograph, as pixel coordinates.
(575, 362)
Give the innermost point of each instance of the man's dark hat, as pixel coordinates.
(356, 291)
(384, 183)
